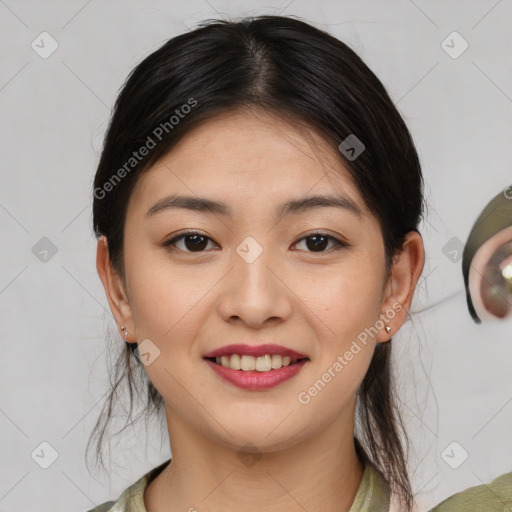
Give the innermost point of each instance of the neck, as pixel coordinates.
(322, 473)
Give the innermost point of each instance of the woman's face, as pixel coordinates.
(255, 275)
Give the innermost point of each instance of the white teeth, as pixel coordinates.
(250, 363)
(277, 361)
(234, 362)
(263, 363)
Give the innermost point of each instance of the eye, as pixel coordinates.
(192, 242)
(317, 242)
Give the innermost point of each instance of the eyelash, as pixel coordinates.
(339, 244)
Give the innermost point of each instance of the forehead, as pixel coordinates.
(249, 155)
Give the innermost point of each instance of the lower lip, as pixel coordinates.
(254, 379)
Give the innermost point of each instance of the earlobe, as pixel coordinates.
(114, 287)
(406, 270)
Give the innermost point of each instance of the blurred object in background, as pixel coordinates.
(487, 261)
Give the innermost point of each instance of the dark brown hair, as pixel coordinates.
(289, 68)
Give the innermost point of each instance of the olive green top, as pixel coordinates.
(372, 495)
(493, 497)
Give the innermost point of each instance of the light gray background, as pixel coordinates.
(455, 375)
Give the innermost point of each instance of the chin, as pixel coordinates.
(261, 436)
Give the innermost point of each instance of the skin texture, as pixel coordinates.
(189, 303)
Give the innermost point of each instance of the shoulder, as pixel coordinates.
(132, 498)
(493, 497)
(104, 507)
(373, 493)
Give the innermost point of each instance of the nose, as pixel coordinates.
(255, 293)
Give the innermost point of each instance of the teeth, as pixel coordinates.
(277, 361)
(234, 362)
(250, 363)
(263, 363)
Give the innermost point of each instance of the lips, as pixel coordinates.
(255, 380)
(255, 367)
(255, 351)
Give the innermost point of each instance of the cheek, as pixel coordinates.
(168, 307)
(163, 297)
(345, 308)
(347, 300)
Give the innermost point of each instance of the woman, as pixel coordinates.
(257, 205)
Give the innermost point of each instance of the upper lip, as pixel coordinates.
(255, 351)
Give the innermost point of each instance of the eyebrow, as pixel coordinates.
(293, 207)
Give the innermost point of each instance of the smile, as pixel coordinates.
(256, 373)
(263, 363)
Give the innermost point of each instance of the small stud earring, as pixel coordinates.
(123, 328)
(388, 329)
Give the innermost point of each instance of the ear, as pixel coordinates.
(399, 290)
(114, 289)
